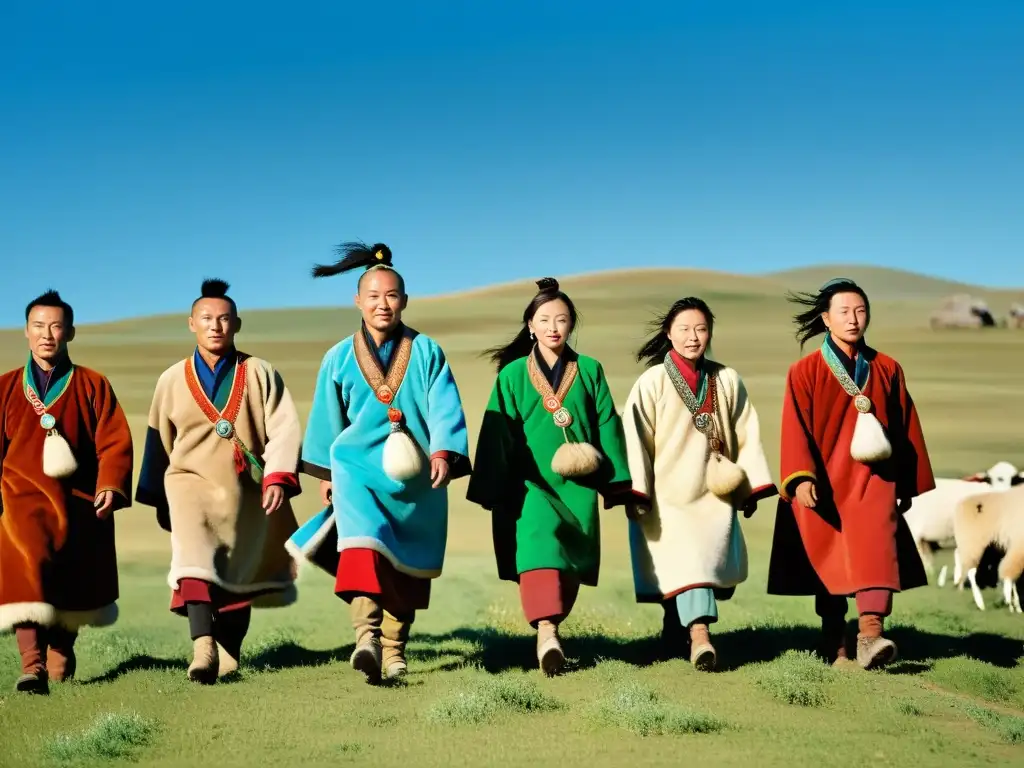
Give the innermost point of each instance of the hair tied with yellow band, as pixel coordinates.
(354, 255)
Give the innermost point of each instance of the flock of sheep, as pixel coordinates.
(980, 517)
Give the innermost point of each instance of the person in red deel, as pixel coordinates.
(853, 457)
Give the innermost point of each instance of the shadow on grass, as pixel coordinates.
(497, 651)
(142, 663)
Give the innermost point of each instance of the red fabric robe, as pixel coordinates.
(855, 538)
(58, 562)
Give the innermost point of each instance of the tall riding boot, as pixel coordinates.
(229, 630)
(367, 617)
(394, 636)
(832, 645)
(32, 647)
(673, 635)
(702, 652)
(873, 650)
(60, 657)
(550, 655)
(205, 660)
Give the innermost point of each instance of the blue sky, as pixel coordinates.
(146, 146)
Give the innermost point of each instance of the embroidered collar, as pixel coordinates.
(384, 353)
(212, 378)
(58, 380)
(857, 369)
(554, 373)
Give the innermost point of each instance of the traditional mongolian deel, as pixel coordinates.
(691, 536)
(854, 539)
(544, 518)
(208, 460)
(58, 562)
(364, 398)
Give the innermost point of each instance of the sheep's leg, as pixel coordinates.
(958, 569)
(925, 553)
(1016, 598)
(942, 576)
(1008, 593)
(978, 600)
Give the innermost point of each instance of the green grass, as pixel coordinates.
(474, 696)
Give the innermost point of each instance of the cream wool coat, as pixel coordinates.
(689, 537)
(220, 532)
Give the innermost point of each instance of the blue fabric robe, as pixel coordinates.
(407, 522)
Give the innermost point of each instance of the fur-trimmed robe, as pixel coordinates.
(220, 532)
(690, 537)
(58, 562)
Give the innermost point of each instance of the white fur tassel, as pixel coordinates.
(723, 476)
(58, 460)
(576, 459)
(402, 460)
(869, 442)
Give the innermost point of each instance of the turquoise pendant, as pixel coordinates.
(46, 421)
(224, 428)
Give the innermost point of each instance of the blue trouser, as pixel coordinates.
(697, 603)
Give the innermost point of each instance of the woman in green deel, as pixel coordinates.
(550, 441)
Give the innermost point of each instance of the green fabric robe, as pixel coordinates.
(540, 519)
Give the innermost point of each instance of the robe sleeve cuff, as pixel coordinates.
(631, 496)
(792, 481)
(121, 499)
(289, 482)
(150, 497)
(762, 492)
(458, 465)
(315, 470)
(618, 494)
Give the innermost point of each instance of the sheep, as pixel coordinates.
(987, 519)
(930, 518)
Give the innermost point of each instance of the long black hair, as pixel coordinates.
(808, 322)
(520, 346)
(358, 255)
(656, 347)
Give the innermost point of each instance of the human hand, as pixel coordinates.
(807, 494)
(439, 472)
(273, 498)
(104, 504)
(326, 493)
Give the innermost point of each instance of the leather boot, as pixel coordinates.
(549, 649)
(873, 650)
(367, 617)
(229, 630)
(832, 645)
(205, 661)
(702, 653)
(394, 636)
(60, 656)
(32, 647)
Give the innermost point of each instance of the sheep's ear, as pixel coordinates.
(1017, 479)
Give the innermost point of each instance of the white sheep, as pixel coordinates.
(930, 518)
(992, 519)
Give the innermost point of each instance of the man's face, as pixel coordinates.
(215, 324)
(48, 335)
(381, 300)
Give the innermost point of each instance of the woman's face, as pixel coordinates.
(552, 324)
(690, 334)
(847, 317)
